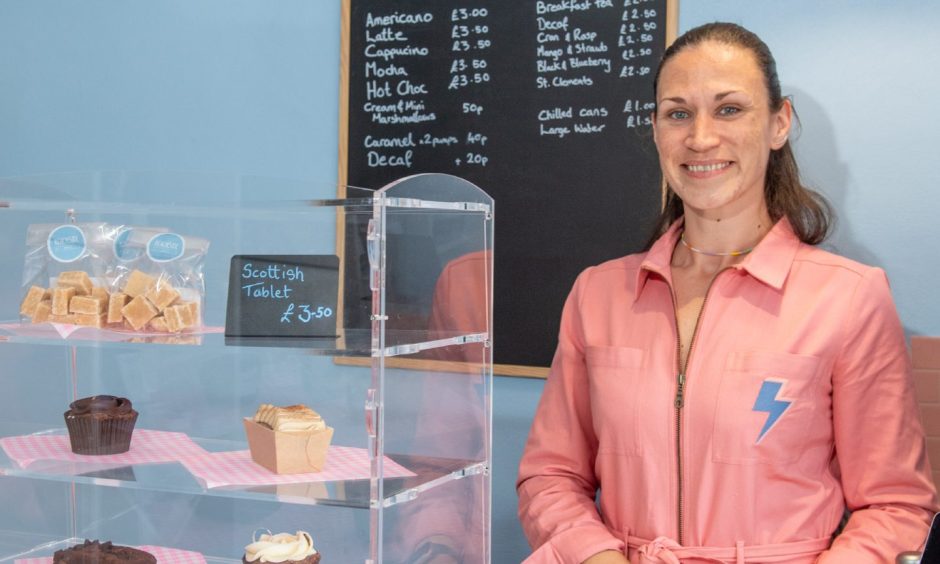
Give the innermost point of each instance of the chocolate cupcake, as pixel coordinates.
(100, 425)
(285, 548)
(94, 552)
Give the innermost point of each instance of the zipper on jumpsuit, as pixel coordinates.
(680, 392)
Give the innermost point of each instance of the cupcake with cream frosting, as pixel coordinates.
(283, 547)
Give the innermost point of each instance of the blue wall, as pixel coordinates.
(862, 78)
(251, 86)
(221, 85)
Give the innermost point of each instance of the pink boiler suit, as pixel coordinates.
(797, 403)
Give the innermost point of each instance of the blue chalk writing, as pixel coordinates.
(267, 291)
(307, 314)
(273, 272)
(288, 313)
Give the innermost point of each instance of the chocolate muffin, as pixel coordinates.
(94, 552)
(100, 425)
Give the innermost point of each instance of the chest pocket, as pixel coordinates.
(771, 408)
(616, 383)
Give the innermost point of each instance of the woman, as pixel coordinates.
(733, 390)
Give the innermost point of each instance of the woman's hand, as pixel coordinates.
(607, 557)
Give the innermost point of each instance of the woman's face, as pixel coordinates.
(714, 129)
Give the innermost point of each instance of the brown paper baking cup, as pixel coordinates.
(109, 435)
(287, 453)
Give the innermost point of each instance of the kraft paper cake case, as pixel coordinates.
(99, 425)
(288, 453)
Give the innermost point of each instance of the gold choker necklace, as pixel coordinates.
(711, 254)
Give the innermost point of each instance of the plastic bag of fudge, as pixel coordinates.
(128, 250)
(63, 262)
(157, 281)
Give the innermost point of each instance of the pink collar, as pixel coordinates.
(769, 262)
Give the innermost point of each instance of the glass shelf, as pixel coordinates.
(258, 209)
(352, 342)
(173, 477)
(408, 375)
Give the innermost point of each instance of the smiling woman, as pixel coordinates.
(731, 393)
(743, 57)
(715, 130)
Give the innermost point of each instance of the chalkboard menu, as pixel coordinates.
(278, 296)
(543, 104)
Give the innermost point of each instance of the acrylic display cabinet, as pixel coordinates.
(405, 379)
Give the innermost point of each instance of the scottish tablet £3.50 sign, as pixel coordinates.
(282, 296)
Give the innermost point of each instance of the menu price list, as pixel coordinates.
(436, 83)
(530, 100)
(422, 71)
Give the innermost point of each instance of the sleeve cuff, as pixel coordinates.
(575, 545)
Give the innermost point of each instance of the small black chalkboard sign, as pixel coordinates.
(282, 296)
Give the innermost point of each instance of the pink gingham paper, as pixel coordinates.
(163, 555)
(68, 331)
(84, 333)
(147, 447)
(235, 468)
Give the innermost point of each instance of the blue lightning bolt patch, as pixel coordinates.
(767, 401)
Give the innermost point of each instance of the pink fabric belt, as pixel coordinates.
(663, 550)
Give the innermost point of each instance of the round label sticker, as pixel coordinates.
(66, 243)
(122, 250)
(165, 247)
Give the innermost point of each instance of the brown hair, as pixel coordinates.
(808, 211)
